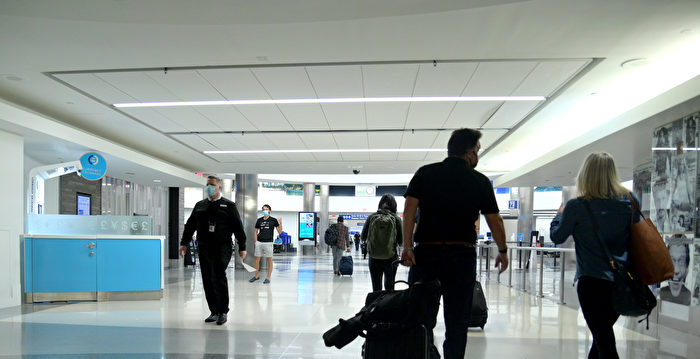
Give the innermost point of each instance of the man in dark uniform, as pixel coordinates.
(215, 219)
(451, 194)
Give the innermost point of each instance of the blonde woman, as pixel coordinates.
(598, 187)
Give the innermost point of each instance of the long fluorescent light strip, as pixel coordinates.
(333, 100)
(220, 152)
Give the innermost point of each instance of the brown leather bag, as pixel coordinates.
(648, 255)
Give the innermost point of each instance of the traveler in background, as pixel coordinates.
(215, 219)
(264, 236)
(598, 185)
(450, 195)
(341, 244)
(382, 232)
(356, 240)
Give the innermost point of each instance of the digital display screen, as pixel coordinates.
(307, 225)
(83, 204)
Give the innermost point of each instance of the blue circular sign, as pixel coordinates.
(94, 166)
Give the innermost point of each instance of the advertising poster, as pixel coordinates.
(675, 293)
(307, 225)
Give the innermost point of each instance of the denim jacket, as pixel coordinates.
(613, 216)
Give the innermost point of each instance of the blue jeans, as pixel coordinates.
(455, 267)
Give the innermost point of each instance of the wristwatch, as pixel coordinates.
(503, 251)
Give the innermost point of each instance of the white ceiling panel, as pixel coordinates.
(96, 87)
(428, 114)
(344, 116)
(471, 114)
(336, 81)
(448, 79)
(510, 114)
(389, 80)
(351, 140)
(441, 141)
(265, 117)
(253, 141)
(355, 156)
(435, 156)
(138, 85)
(285, 82)
(386, 115)
(333, 156)
(489, 137)
(548, 76)
(237, 157)
(285, 141)
(235, 84)
(418, 139)
(318, 140)
(189, 118)
(195, 142)
(227, 118)
(498, 78)
(300, 157)
(384, 139)
(305, 116)
(186, 85)
(276, 157)
(154, 118)
(383, 156)
(411, 156)
(224, 141)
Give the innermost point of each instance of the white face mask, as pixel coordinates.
(210, 190)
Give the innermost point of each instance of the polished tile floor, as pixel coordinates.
(286, 318)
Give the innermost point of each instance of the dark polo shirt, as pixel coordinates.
(451, 194)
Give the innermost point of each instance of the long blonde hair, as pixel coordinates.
(598, 178)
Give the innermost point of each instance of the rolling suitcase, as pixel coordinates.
(345, 265)
(480, 310)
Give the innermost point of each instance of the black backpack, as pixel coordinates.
(331, 236)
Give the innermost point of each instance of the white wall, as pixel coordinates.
(51, 195)
(12, 215)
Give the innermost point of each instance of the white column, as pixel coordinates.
(12, 224)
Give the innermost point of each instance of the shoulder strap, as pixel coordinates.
(635, 207)
(597, 234)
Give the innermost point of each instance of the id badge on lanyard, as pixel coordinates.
(212, 227)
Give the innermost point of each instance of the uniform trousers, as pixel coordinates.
(213, 262)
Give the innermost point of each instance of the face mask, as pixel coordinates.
(210, 190)
(266, 213)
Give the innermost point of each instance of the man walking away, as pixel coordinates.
(340, 245)
(451, 190)
(215, 219)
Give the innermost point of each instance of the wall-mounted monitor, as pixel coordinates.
(307, 225)
(83, 204)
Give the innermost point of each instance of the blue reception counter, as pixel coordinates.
(88, 267)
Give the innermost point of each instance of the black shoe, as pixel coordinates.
(212, 318)
(222, 319)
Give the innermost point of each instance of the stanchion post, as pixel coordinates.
(510, 269)
(561, 280)
(541, 273)
(524, 269)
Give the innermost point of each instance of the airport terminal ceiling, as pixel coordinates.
(352, 89)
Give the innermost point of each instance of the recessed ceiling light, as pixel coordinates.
(156, 180)
(634, 63)
(129, 173)
(333, 100)
(332, 150)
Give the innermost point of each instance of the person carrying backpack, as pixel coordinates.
(337, 237)
(382, 233)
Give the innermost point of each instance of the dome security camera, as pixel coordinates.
(356, 171)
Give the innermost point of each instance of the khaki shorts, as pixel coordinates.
(263, 249)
